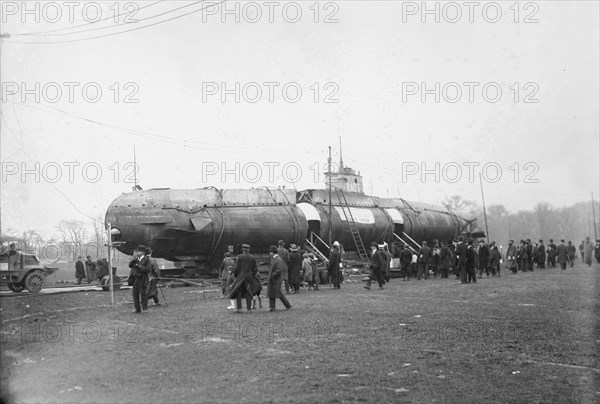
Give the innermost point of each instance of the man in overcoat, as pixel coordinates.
(275, 278)
(562, 254)
(245, 284)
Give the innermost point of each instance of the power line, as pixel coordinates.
(165, 139)
(120, 32)
(52, 185)
(125, 23)
(42, 33)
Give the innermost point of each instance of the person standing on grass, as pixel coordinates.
(511, 257)
(275, 278)
(562, 256)
(294, 269)
(445, 257)
(571, 253)
(153, 276)
(495, 259)
(90, 269)
(423, 262)
(79, 270)
(245, 284)
(377, 265)
(285, 256)
(334, 265)
(140, 266)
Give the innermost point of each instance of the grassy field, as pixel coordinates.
(526, 338)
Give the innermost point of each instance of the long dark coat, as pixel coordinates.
(285, 257)
(79, 270)
(295, 267)
(244, 272)
(445, 258)
(275, 277)
(561, 254)
(511, 256)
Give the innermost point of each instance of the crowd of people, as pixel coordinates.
(466, 259)
(92, 270)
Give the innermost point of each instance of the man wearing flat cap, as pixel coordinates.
(333, 266)
(245, 283)
(511, 256)
(376, 266)
(423, 263)
(275, 279)
(140, 267)
(285, 256)
(541, 255)
(562, 255)
(153, 275)
(551, 253)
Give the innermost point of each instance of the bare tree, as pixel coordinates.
(460, 206)
(30, 239)
(73, 233)
(544, 214)
(99, 234)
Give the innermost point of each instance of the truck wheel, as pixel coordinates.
(34, 282)
(16, 287)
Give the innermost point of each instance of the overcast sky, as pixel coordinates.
(509, 88)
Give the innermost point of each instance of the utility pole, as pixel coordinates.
(110, 272)
(594, 213)
(329, 173)
(487, 233)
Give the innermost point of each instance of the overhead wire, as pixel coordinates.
(51, 184)
(166, 139)
(125, 23)
(116, 33)
(43, 33)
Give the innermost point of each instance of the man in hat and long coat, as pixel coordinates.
(245, 284)
(562, 254)
(333, 265)
(275, 279)
(295, 268)
(140, 266)
(511, 257)
(377, 265)
(285, 256)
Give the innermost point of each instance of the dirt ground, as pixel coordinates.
(525, 338)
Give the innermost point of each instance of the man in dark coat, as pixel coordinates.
(295, 268)
(511, 257)
(551, 253)
(461, 257)
(484, 259)
(333, 265)
(79, 270)
(495, 258)
(405, 260)
(275, 279)
(387, 261)
(541, 255)
(445, 260)
(562, 254)
(376, 267)
(285, 256)
(245, 284)
(522, 256)
(90, 269)
(529, 247)
(140, 267)
(470, 261)
(571, 253)
(423, 262)
(153, 276)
